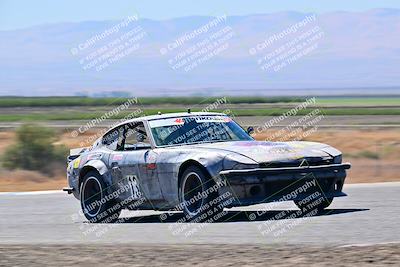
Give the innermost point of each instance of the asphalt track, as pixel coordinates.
(369, 215)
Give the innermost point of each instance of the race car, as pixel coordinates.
(198, 163)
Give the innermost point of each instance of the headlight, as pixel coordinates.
(333, 152)
(237, 162)
(337, 159)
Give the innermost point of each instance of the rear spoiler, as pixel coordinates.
(75, 153)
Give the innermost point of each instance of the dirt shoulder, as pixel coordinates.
(13, 185)
(199, 255)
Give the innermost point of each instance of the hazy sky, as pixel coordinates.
(24, 13)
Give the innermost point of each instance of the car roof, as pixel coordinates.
(166, 116)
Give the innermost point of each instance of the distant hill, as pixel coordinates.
(355, 50)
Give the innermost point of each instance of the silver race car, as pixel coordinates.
(198, 163)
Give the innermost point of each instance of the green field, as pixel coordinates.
(90, 101)
(360, 101)
(239, 112)
(85, 108)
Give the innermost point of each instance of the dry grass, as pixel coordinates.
(374, 154)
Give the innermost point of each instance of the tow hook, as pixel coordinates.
(69, 190)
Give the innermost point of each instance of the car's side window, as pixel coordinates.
(135, 137)
(112, 139)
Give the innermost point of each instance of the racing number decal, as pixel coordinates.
(179, 121)
(133, 183)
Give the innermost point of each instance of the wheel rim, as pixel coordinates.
(191, 187)
(92, 195)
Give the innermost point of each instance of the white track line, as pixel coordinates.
(367, 244)
(47, 192)
(372, 184)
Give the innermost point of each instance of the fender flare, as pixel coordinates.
(212, 168)
(94, 165)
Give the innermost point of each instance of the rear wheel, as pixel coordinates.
(96, 206)
(197, 199)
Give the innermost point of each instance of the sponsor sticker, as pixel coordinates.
(166, 122)
(77, 162)
(202, 119)
(117, 157)
(181, 121)
(151, 162)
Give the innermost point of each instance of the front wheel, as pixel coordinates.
(309, 206)
(197, 199)
(96, 205)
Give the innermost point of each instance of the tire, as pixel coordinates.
(95, 206)
(194, 182)
(320, 207)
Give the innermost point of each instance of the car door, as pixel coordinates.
(130, 166)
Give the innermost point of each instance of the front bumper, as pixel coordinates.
(260, 185)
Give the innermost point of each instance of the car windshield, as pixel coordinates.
(196, 129)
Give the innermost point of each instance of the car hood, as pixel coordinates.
(272, 151)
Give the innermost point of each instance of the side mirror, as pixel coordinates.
(250, 130)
